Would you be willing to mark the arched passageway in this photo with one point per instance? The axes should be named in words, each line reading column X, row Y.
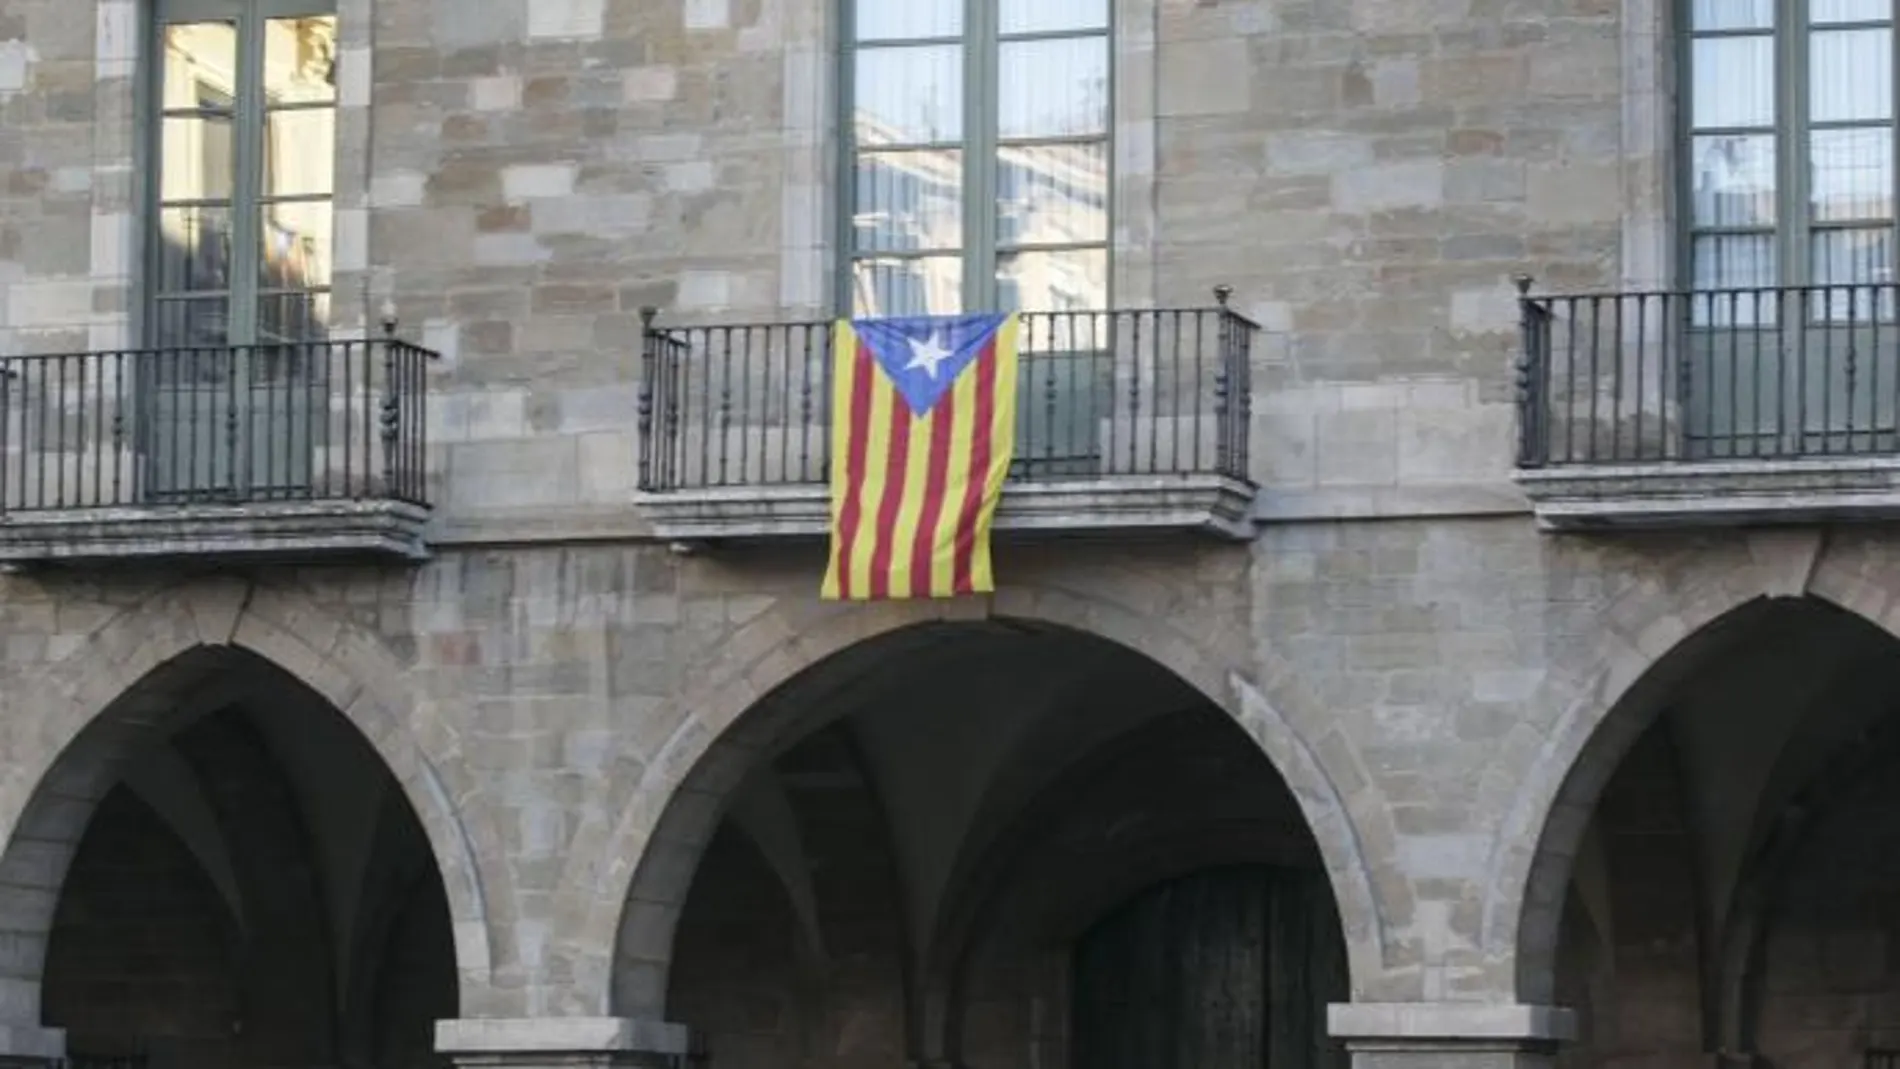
column 1734, row 894
column 219, row 871
column 988, row 845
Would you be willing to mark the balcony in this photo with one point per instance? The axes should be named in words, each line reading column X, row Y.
column 301, row 452
column 1734, row 406
column 1132, row 420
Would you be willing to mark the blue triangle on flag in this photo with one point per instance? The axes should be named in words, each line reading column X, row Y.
column 923, row 355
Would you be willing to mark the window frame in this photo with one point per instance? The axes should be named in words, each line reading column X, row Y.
column 244, row 294
column 982, row 41
column 1792, row 231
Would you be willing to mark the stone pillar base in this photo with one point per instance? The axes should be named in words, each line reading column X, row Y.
column 1436, row 1035
column 31, row 1045
column 563, row 1043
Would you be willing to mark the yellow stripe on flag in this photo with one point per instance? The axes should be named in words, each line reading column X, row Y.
column 943, row 562
column 877, row 477
column 1002, row 443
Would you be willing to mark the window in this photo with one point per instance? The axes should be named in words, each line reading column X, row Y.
column 978, row 153
column 1790, row 155
column 244, row 96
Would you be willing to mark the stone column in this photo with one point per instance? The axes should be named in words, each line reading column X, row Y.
column 562, row 1043
column 31, row 1046
column 1444, row 1035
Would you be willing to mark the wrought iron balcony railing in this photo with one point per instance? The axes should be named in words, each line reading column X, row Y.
column 1101, row 395
column 1662, row 408
column 139, row 435
column 1769, row 373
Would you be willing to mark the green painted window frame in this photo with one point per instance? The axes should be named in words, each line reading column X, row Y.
column 981, row 40
column 243, row 309
column 1794, row 225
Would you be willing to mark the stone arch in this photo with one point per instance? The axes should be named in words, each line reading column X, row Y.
column 1609, row 693
column 95, row 705
column 630, row 878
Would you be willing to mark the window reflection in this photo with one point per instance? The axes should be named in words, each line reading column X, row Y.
column 891, row 286
column 886, row 20
column 1044, row 133
column 1053, row 87
column 1051, row 16
column 1833, row 226
column 909, row 96
column 1072, row 280
column 1052, row 194
column 262, row 248
column 196, row 174
column 909, row 201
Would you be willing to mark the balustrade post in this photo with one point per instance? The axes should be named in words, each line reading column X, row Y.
column 391, row 416
column 649, row 367
column 1531, row 375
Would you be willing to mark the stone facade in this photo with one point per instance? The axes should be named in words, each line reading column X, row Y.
column 571, row 710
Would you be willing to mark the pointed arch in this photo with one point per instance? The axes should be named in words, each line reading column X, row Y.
column 632, row 869
column 115, row 689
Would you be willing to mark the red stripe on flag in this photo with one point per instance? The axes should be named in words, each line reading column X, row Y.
column 981, row 433
column 849, row 518
column 923, row 551
column 895, row 466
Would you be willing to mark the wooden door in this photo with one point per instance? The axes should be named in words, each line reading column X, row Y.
column 1225, row 969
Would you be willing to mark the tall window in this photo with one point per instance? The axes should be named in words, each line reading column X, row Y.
column 979, row 149
column 244, row 153
column 1791, row 142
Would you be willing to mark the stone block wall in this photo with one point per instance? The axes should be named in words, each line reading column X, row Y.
column 523, row 180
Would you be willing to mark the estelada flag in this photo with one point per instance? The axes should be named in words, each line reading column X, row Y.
column 922, row 433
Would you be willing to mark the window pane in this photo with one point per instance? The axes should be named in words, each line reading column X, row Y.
column 1053, row 88
column 1043, row 16
column 1072, row 280
column 928, row 285
column 909, row 95
column 1733, row 180
column 1734, row 260
column 299, row 152
column 1845, row 10
column 1852, row 174
column 909, row 201
column 194, row 249
column 892, row 19
column 1052, row 194
column 1733, row 14
column 1851, row 75
column 196, row 159
column 299, row 61
column 1730, row 262
column 200, row 65
column 1861, row 254
column 296, row 246
column 177, row 324
column 293, row 317
column 1734, row 81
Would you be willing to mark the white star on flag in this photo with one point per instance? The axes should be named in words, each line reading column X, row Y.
column 927, row 354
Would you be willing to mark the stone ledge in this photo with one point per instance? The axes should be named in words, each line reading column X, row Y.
column 21, row 1043
column 1400, row 501
column 559, row 1035
column 269, row 530
column 1208, row 504
column 1411, row 1023
column 1709, row 493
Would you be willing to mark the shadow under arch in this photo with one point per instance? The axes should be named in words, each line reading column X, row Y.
column 121, row 690
column 1538, row 916
column 727, row 729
